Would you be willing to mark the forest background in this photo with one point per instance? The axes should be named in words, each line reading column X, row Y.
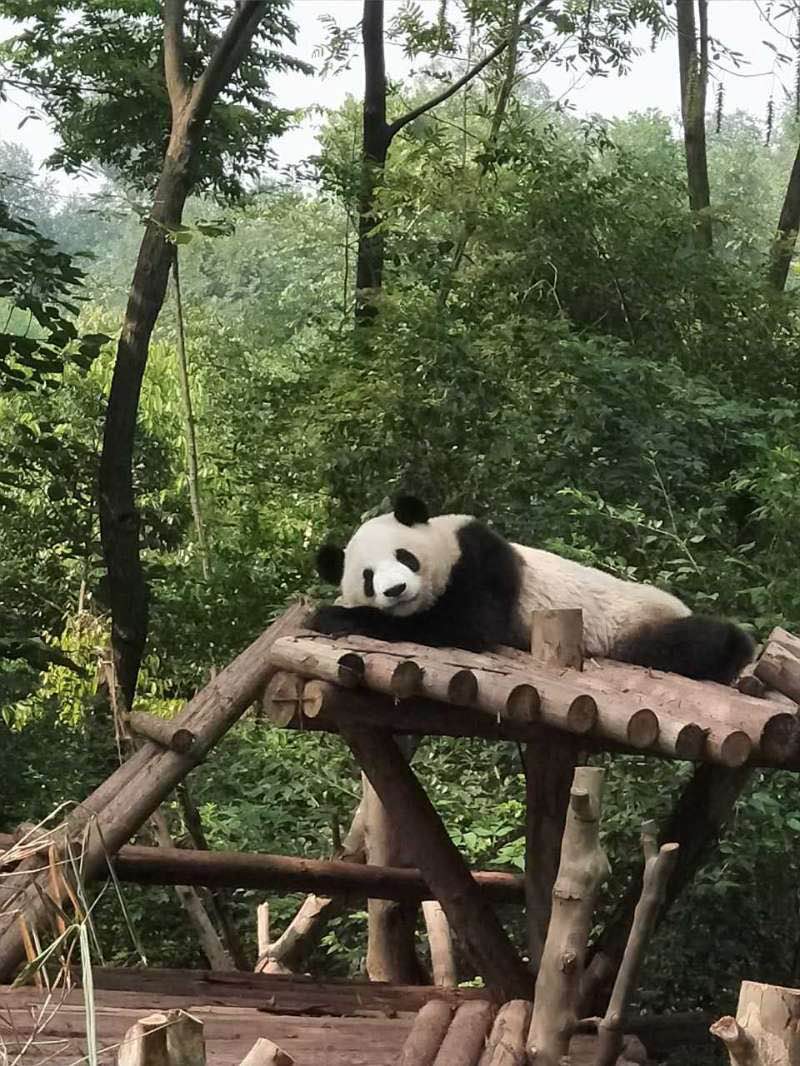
column 554, row 349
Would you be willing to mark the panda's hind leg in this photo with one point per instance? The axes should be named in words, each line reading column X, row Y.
column 697, row 646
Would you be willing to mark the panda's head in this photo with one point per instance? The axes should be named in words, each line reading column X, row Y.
column 399, row 563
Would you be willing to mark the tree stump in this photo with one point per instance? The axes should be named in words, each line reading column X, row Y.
column 766, row 1029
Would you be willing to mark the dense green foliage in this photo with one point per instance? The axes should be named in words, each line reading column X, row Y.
column 582, row 376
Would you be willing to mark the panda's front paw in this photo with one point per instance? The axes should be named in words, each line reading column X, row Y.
column 333, row 621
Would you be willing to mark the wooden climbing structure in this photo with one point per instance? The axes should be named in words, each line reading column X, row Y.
column 556, row 1001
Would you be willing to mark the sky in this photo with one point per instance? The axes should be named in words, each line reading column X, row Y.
column 651, row 83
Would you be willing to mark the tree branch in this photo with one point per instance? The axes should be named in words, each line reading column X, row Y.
column 466, row 78
column 174, row 65
column 226, row 57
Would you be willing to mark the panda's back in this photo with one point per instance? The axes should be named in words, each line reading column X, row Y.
column 612, row 607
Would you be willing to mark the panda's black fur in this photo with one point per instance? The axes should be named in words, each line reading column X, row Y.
column 479, row 609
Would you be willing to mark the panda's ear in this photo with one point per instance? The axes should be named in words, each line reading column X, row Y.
column 410, row 511
column 330, row 563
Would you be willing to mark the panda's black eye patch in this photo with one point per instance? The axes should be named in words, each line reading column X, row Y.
column 369, row 584
column 407, row 559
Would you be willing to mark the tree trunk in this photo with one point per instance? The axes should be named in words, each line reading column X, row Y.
column 119, row 518
column 786, row 238
column 694, row 81
column 376, row 137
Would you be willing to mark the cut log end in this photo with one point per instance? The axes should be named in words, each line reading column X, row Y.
column 582, row 714
column 780, row 737
column 690, row 742
column 282, row 698
column 351, row 670
column 407, row 679
column 735, row 749
column 523, row 704
column 643, row 728
column 462, row 688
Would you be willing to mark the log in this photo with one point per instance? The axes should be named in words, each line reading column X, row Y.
column 265, row 1053
column 471, row 918
column 658, row 866
column 466, row 1037
column 785, row 639
column 427, row 1033
column 779, row 667
column 443, row 962
column 143, row 865
column 719, row 708
column 122, row 804
column 506, row 1044
column 161, row 731
column 749, row 684
column 582, row 870
column 145, row 1043
column 766, row 1029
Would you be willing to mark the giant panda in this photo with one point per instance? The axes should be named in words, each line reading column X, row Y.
column 451, row 581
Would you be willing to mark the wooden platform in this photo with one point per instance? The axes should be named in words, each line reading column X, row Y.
column 57, row 1030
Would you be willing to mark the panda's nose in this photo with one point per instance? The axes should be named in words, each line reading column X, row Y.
column 395, row 590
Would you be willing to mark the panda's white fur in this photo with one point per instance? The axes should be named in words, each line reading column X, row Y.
column 373, row 546
column 612, row 608
column 452, row 581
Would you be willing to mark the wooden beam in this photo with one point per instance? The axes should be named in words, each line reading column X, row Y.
column 274, row 993
column 471, row 918
column 236, row 869
column 116, row 811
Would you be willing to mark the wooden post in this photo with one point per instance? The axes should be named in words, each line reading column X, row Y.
column 582, row 870
column 443, row 961
column 766, row 1029
column 391, row 949
column 556, row 640
column 557, row 637
column 471, row 918
column 658, row 866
